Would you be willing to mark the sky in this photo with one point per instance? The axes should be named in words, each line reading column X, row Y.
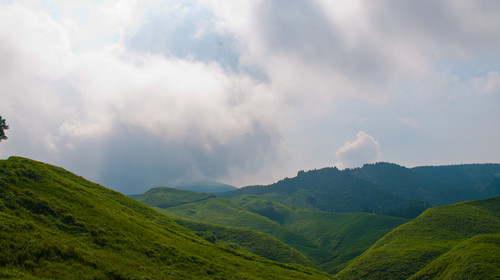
column 137, row 94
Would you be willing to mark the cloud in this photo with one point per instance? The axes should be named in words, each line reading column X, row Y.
column 129, row 119
column 486, row 85
column 364, row 149
column 138, row 93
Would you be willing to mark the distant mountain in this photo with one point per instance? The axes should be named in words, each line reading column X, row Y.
column 56, row 225
column 458, row 241
column 164, row 197
column 204, row 186
column 438, row 185
column 332, row 190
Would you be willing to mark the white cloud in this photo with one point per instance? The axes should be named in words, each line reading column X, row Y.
column 215, row 87
column 487, row 85
column 87, row 98
column 364, row 149
column 409, row 122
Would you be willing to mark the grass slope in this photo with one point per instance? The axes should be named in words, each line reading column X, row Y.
column 56, row 225
column 247, row 240
column 164, row 197
column 446, row 241
column 222, row 211
column 345, row 235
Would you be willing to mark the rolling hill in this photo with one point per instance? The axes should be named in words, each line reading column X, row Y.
column 330, row 240
column 344, row 235
column 458, row 241
column 247, row 240
column 224, row 212
column 56, row 225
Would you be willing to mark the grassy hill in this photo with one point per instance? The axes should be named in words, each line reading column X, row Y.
column 247, row 240
column 344, row 235
column 330, row 240
column 164, row 197
column 56, row 225
column 459, row 241
column 222, row 211
column 332, row 190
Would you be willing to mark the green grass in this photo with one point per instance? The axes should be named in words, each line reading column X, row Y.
column 164, row 197
column 433, row 243
column 344, row 235
column 222, row 211
column 330, row 240
column 474, row 258
column 56, row 225
column 247, row 240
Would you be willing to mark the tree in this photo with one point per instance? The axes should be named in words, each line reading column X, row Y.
column 3, row 127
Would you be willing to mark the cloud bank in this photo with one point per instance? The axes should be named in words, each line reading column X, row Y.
column 135, row 94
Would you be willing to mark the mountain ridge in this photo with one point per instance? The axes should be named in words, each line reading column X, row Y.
column 331, row 190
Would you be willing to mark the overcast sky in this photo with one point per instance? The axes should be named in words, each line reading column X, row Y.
column 136, row 94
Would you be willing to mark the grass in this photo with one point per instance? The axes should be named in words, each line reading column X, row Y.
column 247, row 240
column 329, row 240
column 474, row 258
column 344, row 235
column 56, row 225
column 434, row 243
column 222, row 211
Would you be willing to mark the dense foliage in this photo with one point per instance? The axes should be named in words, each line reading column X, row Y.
column 332, row 190
column 3, row 127
column 436, row 184
column 56, row 225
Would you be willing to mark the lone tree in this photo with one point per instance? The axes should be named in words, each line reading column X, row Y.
column 3, row 127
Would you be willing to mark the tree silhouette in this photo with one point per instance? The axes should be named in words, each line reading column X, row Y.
column 3, row 127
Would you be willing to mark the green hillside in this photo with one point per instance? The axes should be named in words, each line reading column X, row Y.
column 247, row 240
column 330, row 240
column 459, row 241
column 164, row 197
column 56, row 225
column 222, row 211
column 344, row 235
column 332, row 190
